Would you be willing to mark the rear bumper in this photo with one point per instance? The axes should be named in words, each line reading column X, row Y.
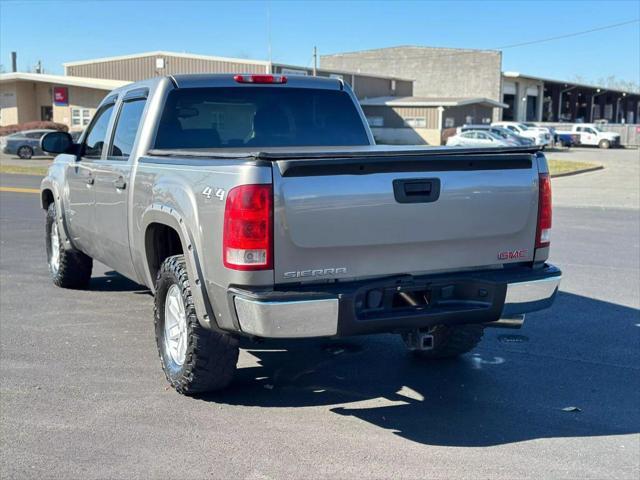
column 377, row 306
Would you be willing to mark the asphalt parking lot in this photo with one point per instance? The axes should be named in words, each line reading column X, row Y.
column 82, row 394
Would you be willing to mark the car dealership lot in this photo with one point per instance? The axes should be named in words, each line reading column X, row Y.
column 83, row 395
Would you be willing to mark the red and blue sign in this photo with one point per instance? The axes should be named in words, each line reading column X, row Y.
column 61, row 96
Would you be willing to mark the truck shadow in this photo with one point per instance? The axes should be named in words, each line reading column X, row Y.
column 112, row 281
column 582, row 353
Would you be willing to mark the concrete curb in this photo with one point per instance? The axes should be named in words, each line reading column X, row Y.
column 578, row 172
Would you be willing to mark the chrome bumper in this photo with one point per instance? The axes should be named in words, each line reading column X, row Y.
column 323, row 317
column 295, row 319
column 523, row 297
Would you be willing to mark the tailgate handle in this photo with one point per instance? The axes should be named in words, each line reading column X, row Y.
column 416, row 190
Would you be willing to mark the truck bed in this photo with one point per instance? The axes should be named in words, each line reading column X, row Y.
column 356, row 212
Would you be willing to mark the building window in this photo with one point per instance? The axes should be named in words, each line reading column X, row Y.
column 375, row 121
column 415, row 122
column 80, row 117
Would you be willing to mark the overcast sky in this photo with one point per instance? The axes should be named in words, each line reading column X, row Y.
column 59, row 31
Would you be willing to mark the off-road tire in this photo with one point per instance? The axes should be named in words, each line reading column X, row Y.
column 210, row 358
column 604, row 144
column 74, row 270
column 452, row 341
column 25, row 152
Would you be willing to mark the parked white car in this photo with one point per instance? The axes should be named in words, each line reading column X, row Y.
column 539, row 135
column 478, row 138
column 593, row 134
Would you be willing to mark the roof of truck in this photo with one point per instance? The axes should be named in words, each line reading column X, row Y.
column 196, row 80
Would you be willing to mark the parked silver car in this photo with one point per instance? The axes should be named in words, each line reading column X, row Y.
column 24, row 144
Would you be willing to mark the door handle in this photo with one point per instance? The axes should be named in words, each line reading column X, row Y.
column 416, row 190
column 120, row 183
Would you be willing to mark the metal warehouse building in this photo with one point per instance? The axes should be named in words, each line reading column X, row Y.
column 71, row 99
column 410, row 94
column 152, row 64
column 538, row 99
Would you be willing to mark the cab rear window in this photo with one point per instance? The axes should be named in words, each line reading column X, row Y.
column 228, row 117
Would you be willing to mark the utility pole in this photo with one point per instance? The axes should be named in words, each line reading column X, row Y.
column 269, row 36
column 315, row 61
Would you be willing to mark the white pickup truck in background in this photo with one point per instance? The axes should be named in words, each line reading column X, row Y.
column 592, row 134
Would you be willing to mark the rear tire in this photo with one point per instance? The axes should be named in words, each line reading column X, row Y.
column 604, row 144
column 194, row 359
column 451, row 341
column 67, row 268
column 25, row 152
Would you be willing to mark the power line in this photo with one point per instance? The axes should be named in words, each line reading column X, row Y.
column 569, row 35
column 515, row 45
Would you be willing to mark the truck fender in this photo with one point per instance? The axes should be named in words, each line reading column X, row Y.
column 164, row 215
column 49, row 184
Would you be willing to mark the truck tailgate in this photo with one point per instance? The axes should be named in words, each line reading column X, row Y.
column 416, row 213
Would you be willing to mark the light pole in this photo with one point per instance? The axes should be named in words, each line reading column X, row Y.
column 597, row 94
column 560, row 100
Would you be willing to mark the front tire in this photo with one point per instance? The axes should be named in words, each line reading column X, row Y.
column 67, row 268
column 25, row 152
column 451, row 341
column 604, row 144
column 194, row 359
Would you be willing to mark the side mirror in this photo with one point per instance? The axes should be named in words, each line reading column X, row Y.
column 57, row 142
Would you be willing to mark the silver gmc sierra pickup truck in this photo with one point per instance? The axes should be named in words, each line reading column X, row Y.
column 260, row 206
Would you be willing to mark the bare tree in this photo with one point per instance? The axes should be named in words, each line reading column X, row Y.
column 608, row 82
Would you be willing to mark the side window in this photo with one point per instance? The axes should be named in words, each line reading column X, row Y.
column 96, row 137
column 126, row 129
column 591, row 130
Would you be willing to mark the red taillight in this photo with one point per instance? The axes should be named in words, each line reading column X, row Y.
column 543, row 235
column 260, row 78
column 248, row 228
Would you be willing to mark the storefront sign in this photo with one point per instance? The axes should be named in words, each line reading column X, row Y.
column 61, row 96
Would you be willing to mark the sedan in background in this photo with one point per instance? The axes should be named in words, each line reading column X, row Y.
column 479, row 138
column 502, row 132
column 24, row 144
